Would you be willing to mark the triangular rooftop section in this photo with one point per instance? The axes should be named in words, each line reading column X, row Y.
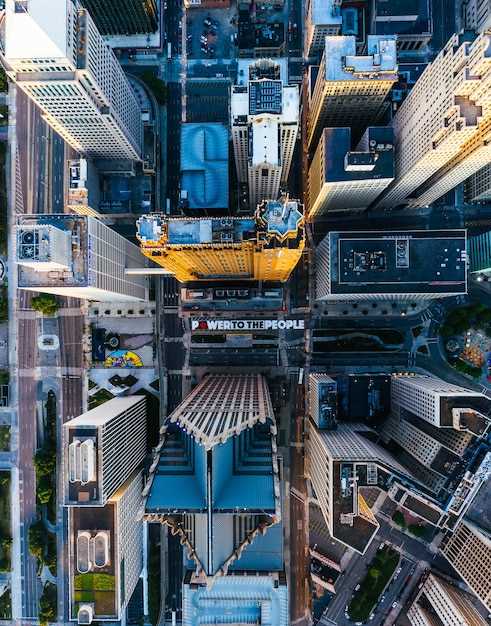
column 222, row 406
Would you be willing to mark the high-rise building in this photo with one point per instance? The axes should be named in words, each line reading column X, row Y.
column 477, row 187
column 102, row 448
column 323, row 17
column 342, row 179
column 442, row 404
column 323, row 400
column 265, row 246
column 391, row 265
column 340, row 464
column 441, row 129
column 264, row 120
column 105, row 554
column 350, row 89
column 439, row 602
column 77, row 256
column 476, row 14
column 468, row 546
column 410, row 20
column 480, row 253
column 215, row 483
column 55, row 54
column 123, row 17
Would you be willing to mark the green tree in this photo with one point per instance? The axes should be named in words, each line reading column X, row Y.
column 45, row 462
column 398, row 518
column 374, row 573
column 44, row 490
column 47, row 604
column 45, row 303
column 418, row 530
column 36, row 537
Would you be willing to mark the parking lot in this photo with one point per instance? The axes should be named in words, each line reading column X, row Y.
column 211, row 33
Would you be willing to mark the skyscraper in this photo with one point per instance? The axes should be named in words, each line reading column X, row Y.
column 123, row 17
column 78, row 256
column 264, row 120
column 441, row 129
column 443, row 404
column 265, row 246
column 323, row 400
column 480, row 253
column 214, row 482
column 445, row 602
column 478, row 186
column 350, row 89
column 340, row 464
column 323, row 17
column 56, row 55
column 468, row 546
column 341, row 179
column 105, row 555
column 391, row 264
column 476, row 14
column 102, row 448
column 103, row 451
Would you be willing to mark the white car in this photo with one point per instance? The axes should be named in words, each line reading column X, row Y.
column 371, row 617
column 357, row 587
column 395, row 605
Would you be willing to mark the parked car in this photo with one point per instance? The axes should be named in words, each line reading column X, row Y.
column 395, row 605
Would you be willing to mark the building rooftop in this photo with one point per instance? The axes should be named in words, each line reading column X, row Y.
column 325, row 12
column 274, row 220
column 87, row 526
column 204, row 165
column 479, row 511
column 342, row 62
column 33, row 33
column 256, row 69
column 402, row 17
column 265, row 96
column 236, row 600
column 222, row 406
column 104, row 412
column 371, row 162
column 39, row 229
column 397, row 262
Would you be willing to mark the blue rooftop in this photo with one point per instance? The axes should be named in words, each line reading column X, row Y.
column 242, row 475
column 236, row 600
column 204, row 165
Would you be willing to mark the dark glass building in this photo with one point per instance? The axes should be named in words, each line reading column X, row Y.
column 123, row 17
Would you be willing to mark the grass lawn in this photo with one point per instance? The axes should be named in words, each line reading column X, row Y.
column 379, row 573
column 5, row 531
column 94, row 582
column 99, row 397
column 4, row 438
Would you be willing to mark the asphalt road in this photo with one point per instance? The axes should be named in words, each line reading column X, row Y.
column 299, row 557
column 174, row 95
column 42, row 166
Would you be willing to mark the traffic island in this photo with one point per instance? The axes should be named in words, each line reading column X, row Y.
column 379, row 573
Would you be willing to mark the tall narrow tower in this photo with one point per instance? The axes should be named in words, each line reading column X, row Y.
column 264, row 122
column 56, row 55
